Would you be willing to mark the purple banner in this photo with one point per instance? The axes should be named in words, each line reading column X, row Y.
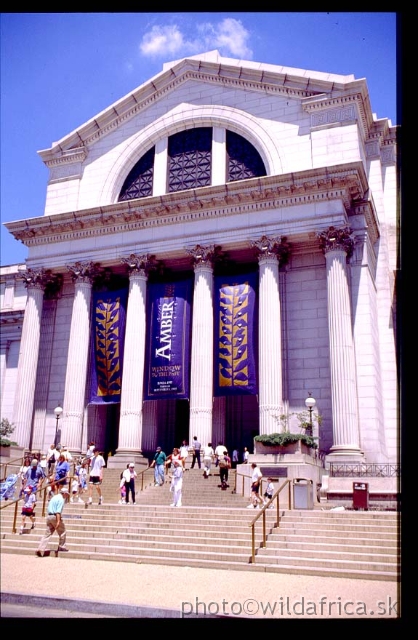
column 168, row 341
column 108, row 334
column 235, row 335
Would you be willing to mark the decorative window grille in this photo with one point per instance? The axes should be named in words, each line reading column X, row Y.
column 189, row 159
column 243, row 160
column 138, row 184
column 189, row 163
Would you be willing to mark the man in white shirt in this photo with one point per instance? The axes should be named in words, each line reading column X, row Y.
column 96, row 475
column 255, row 487
column 219, row 452
column 208, row 454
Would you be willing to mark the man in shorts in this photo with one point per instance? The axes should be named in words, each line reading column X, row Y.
column 255, row 487
column 96, row 475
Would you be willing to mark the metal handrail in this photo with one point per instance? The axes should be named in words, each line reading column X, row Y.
column 43, row 488
column 16, row 462
column 276, row 497
column 362, row 469
column 142, row 474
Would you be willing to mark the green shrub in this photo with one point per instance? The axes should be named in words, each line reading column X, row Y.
column 285, row 438
column 6, row 429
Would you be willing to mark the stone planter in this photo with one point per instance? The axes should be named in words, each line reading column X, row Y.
column 11, row 452
column 297, row 447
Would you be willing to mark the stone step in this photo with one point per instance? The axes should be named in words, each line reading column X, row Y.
column 281, row 539
column 263, row 557
column 306, row 543
column 318, row 553
column 239, row 553
column 305, row 568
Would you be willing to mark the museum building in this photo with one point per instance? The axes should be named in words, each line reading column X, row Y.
column 216, row 246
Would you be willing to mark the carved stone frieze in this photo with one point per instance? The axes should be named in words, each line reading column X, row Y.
column 333, row 238
column 331, row 116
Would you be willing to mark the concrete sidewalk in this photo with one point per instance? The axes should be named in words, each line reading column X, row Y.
column 130, row 590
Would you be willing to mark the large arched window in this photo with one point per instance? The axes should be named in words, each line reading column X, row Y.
column 189, row 159
column 243, row 160
column 138, row 183
column 189, row 163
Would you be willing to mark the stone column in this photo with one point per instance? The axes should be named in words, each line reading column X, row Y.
column 337, row 244
column 130, row 424
column 201, row 374
column 82, row 275
column 270, row 391
column 35, row 282
column 4, row 350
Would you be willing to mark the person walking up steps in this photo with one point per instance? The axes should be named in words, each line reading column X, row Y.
column 208, row 454
column 256, row 500
column 96, row 475
column 196, row 453
column 224, row 466
column 54, row 522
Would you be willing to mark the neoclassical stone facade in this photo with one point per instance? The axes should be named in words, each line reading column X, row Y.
column 214, row 170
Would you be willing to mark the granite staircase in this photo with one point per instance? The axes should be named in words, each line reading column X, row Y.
column 212, row 530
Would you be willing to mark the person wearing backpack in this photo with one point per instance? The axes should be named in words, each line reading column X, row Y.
column 224, row 465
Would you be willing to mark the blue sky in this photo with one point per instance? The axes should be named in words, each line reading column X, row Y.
column 58, row 70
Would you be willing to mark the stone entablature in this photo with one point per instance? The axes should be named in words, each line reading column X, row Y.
column 344, row 182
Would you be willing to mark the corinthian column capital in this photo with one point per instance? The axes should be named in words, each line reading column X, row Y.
column 141, row 265
column 333, row 238
column 36, row 278
column 83, row 271
column 204, row 255
column 272, row 247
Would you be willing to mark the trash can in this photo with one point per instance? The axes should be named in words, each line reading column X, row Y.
column 360, row 496
column 302, row 493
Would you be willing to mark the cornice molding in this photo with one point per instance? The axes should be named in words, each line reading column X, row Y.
column 71, row 156
column 11, row 317
column 272, row 80
column 347, row 182
column 97, row 128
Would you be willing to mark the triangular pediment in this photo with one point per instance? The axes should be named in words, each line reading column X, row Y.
column 210, row 67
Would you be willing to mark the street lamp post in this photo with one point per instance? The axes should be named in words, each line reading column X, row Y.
column 310, row 402
column 58, row 411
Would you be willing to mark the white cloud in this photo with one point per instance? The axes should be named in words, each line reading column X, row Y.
column 229, row 36
column 162, row 40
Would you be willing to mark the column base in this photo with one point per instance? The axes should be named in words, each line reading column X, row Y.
column 344, row 455
column 122, row 458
